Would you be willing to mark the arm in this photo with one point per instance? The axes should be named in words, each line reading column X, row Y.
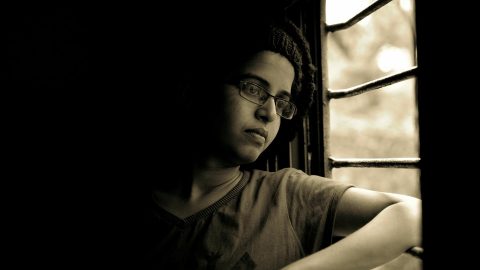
column 384, row 226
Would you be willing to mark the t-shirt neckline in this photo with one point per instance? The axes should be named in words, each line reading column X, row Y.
column 181, row 222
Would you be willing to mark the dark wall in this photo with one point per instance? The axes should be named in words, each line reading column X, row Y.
column 448, row 143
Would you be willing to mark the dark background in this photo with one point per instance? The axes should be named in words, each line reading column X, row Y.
column 90, row 103
column 447, row 114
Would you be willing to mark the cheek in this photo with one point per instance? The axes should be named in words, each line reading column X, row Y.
column 273, row 131
column 233, row 115
column 238, row 109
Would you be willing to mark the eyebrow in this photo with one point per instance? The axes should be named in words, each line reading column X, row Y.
column 264, row 82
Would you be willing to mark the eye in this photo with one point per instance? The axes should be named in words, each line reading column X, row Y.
column 283, row 105
column 252, row 89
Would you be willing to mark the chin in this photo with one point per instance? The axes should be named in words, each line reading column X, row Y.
column 249, row 157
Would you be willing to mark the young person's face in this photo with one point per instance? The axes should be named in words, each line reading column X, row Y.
column 246, row 129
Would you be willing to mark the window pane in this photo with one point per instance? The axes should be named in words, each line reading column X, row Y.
column 382, row 123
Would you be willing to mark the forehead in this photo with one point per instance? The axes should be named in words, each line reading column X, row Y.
column 273, row 68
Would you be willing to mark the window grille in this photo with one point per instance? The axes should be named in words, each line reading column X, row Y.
column 310, row 151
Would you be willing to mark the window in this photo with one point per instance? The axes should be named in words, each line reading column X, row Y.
column 368, row 138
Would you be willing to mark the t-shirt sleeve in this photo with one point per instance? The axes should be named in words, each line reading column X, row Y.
column 311, row 202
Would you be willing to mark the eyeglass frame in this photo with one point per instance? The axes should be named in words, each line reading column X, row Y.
column 294, row 107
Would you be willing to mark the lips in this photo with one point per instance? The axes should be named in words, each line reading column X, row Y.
column 259, row 133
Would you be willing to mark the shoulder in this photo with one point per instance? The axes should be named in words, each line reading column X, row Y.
column 283, row 175
column 291, row 178
column 280, row 174
column 287, row 174
column 297, row 189
column 272, row 181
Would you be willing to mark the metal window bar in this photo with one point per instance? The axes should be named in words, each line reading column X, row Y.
column 355, row 19
column 411, row 163
column 372, row 85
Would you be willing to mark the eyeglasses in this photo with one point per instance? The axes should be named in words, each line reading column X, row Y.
column 259, row 95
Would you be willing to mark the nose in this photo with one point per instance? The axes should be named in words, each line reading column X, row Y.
column 268, row 111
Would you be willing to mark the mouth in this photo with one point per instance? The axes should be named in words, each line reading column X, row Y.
column 258, row 134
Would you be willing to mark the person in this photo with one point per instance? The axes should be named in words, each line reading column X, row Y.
column 243, row 92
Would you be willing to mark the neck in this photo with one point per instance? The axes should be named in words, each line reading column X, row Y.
column 210, row 178
column 209, row 170
column 208, row 186
column 208, row 174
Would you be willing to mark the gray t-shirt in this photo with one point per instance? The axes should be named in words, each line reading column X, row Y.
column 268, row 220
